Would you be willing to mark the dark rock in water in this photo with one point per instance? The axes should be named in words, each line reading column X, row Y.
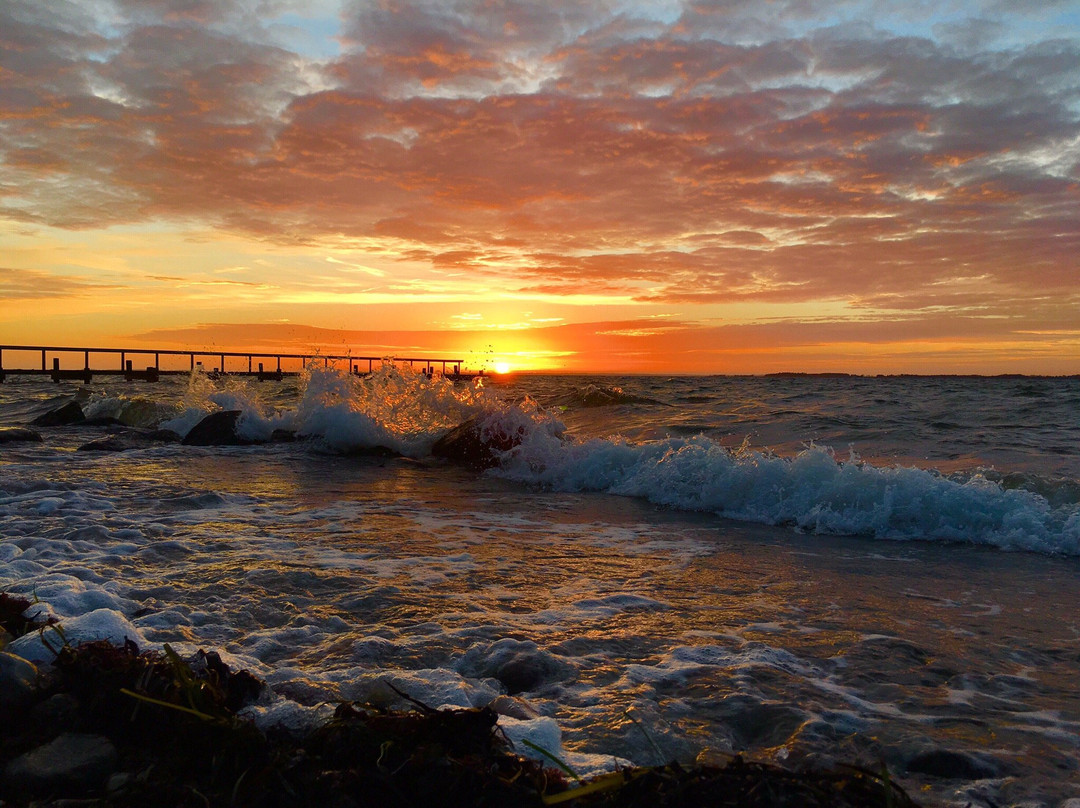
column 216, row 429
column 283, row 436
column 163, row 436
column 520, row 666
column 70, row 413
column 949, row 764
column 71, row 762
column 18, row 682
column 475, row 446
column 130, row 439
column 754, row 722
column 102, row 420
column 520, row 674
column 16, row 434
column 113, row 443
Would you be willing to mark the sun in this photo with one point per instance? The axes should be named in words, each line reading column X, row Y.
column 502, row 367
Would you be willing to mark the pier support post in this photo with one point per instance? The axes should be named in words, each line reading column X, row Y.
column 56, row 369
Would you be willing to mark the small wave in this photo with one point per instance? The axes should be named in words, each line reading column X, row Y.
column 813, row 491
column 593, row 395
column 136, row 412
column 1056, row 490
column 393, row 408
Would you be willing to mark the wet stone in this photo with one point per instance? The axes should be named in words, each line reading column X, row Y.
column 127, row 440
column 518, row 666
column 756, row 723
column 102, row 420
column 950, row 764
column 118, row 782
column 71, row 762
column 163, row 436
column 18, row 681
column 216, row 429
column 70, row 413
column 55, row 713
column 13, row 434
column 471, row 445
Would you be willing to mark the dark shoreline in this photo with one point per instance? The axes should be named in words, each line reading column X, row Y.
column 108, row 725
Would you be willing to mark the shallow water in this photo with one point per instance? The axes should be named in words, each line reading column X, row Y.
column 644, row 629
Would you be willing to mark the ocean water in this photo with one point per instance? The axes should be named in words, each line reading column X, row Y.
column 875, row 570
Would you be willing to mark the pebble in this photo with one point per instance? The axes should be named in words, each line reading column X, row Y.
column 73, row 761
column 56, row 713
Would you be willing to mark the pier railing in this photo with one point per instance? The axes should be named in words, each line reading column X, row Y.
column 217, row 363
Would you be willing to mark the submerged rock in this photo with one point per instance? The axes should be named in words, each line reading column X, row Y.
column 755, row 722
column 70, row 413
column 15, row 434
column 474, row 445
column 102, row 420
column 216, row 429
column 950, row 764
column 130, row 439
column 70, row 763
column 519, row 666
column 163, row 436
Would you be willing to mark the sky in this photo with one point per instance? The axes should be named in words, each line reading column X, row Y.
column 697, row 186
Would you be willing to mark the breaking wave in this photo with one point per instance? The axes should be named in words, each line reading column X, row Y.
column 814, row 491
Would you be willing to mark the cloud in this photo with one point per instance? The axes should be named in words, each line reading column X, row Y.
column 695, row 152
column 29, row 284
column 870, row 345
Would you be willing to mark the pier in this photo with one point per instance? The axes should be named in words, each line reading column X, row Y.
column 61, row 363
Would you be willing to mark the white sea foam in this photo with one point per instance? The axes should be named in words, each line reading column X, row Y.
column 628, row 630
column 541, row 739
column 99, row 624
column 812, row 491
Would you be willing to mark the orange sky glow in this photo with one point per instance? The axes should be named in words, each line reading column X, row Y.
column 686, row 186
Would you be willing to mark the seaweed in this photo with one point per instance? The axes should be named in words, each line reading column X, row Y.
column 13, row 619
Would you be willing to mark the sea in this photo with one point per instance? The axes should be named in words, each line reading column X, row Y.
column 810, row 570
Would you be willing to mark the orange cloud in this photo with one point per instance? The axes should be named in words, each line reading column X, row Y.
column 704, row 155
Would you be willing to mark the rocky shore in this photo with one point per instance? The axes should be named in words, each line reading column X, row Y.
column 109, row 725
